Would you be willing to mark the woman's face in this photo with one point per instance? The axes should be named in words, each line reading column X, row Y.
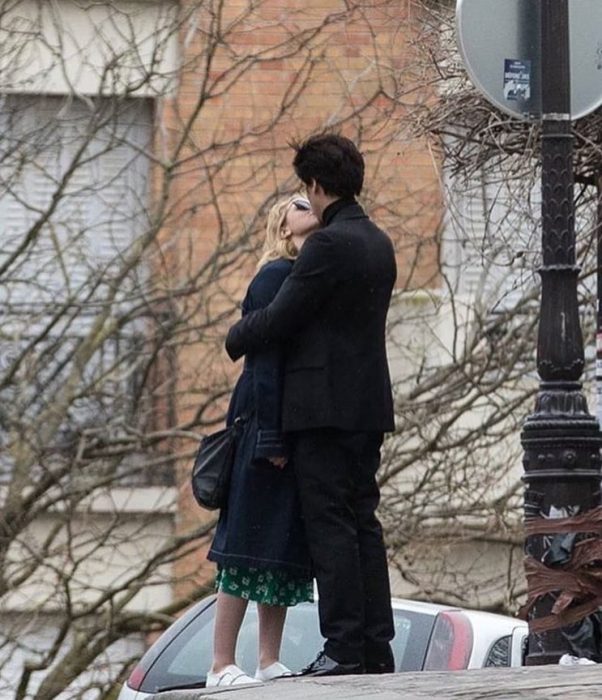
column 300, row 219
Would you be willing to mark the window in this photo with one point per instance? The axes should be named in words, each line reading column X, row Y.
column 73, row 195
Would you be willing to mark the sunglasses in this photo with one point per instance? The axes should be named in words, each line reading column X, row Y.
column 301, row 205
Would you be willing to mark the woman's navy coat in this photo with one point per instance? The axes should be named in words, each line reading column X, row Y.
column 261, row 525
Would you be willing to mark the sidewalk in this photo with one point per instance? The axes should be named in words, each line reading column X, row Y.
column 534, row 683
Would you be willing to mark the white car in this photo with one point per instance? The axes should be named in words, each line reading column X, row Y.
column 428, row 637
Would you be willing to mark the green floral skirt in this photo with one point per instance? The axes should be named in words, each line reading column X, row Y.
column 267, row 586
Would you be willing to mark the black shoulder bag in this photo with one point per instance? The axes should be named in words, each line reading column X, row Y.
column 213, row 466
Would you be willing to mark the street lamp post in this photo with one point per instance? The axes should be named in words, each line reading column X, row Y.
column 561, row 440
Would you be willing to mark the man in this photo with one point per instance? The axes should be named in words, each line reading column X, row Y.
column 330, row 313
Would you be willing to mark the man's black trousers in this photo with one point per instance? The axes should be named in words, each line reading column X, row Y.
column 336, row 476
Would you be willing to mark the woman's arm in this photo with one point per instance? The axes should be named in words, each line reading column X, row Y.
column 268, row 367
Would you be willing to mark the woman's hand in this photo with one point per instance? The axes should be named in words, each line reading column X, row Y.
column 278, row 462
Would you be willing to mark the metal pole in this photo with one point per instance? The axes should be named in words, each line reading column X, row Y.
column 561, row 439
column 599, row 300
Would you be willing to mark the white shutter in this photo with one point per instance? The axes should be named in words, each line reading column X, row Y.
column 490, row 223
column 466, row 228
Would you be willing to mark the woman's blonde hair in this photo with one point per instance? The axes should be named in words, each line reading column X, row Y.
column 275, row 246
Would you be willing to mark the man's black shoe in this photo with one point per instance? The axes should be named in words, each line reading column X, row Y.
column 323, row 665
column 380, row 667
column 381, row 663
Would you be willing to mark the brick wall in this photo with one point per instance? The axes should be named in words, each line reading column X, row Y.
column 253, row 77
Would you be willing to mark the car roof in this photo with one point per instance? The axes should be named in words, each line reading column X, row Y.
column 433, row 609
column 420, row 606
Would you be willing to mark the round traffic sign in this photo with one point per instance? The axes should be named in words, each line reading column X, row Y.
column 500, row 43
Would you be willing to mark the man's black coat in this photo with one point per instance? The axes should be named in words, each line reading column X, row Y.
column 330, row 313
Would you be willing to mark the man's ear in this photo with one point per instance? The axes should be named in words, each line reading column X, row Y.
column 314, row 187
column 317, row 188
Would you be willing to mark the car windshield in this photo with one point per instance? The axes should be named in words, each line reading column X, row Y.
column 186, row 658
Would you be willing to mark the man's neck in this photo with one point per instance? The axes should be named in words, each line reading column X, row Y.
column 334, row 207
column 325, row 204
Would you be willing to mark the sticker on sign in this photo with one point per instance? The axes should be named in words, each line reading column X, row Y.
column 517, row 79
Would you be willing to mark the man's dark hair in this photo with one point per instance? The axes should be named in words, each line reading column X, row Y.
column 333, row 162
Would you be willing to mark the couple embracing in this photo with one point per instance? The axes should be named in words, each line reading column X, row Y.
column 316, row 396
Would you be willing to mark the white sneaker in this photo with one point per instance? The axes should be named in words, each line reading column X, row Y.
column 275, row 670
column 229, row 675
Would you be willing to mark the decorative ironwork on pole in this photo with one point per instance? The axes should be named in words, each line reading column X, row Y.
column 599, row 299
column 561, row 440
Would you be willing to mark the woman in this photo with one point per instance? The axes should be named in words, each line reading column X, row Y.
column 259, row 542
